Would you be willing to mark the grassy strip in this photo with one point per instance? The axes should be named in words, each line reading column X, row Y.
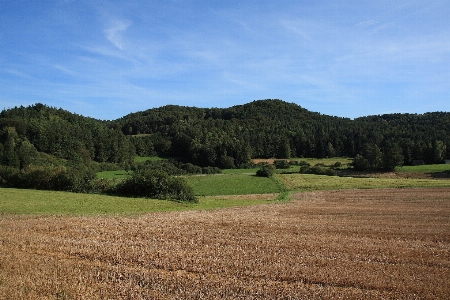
column 284, row 194
column 240, row 171
column 232, row 184
column 425, row 168
column 17, row 201
column 308, row 182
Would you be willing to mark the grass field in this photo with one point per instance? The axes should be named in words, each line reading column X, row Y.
column 363, row 244
column 232, row 184
column 425, row 168
column 308, row 182
column 33, row 202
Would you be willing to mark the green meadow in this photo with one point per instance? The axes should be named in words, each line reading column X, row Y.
column 232, row 184
column 425, row 168
column 34, row 202
column 234, row 187
column 308, row 182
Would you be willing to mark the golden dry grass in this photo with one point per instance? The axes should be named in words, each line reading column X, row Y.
column 363, row 244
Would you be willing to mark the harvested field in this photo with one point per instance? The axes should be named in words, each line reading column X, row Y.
column 354, row 244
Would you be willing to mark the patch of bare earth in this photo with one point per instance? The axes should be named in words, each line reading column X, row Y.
column 361, row 244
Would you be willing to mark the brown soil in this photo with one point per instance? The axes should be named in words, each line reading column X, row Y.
column 360, row 244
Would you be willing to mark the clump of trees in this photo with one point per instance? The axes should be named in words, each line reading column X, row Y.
column 266, row 170
column 57, row 178
column 375, row 159
column 174, row 167
column 281, row 164
column 155, row 184
column 318, row 170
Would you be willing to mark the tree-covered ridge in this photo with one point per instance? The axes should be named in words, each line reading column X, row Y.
column 274, row 128
column 222, row 137
column 61, row 134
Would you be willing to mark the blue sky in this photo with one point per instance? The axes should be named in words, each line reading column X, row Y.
column 105, row 59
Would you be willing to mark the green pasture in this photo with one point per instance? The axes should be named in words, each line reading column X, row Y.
column 214, row 191
column 309, row 182
column 34, row 202
column 232, row 184
column 425, row 168
column 240, row 171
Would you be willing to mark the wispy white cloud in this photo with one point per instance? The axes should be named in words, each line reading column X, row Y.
column 114, row 32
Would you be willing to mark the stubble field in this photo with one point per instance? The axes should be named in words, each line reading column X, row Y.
column 353, row 244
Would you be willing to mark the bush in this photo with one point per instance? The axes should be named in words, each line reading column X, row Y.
column 75, row 178
column 304, row 163
column 211, row 170
column 360, row 163
column 281, row 164
column 156, row 184
column 191, row 169
column 227, row 162
column 318, row 170
column 266, row 170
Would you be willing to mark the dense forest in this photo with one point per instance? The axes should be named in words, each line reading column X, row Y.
column 225, row 138
column 276, row 129
column 40, row 138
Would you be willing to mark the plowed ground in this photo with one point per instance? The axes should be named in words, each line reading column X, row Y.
column 363, row 244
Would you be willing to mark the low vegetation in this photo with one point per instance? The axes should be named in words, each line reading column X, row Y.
column 35, row 202
column 266, row 170
column 155, row 184
column 232, row 184
column 308, row 182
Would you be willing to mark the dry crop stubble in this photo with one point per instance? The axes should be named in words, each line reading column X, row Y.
column 368, row 244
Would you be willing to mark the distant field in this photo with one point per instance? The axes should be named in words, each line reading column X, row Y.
column 425, row 168
column 308, row 182
column 232, row 184
column 371, row 244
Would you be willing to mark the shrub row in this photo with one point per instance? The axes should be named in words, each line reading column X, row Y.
column 318, row 170
column 147, row 183
column 47, row 178
column 155, row 184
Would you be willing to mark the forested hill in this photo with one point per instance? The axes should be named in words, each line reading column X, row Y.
column 224, row 137
column 274, row 128
column 27, row 132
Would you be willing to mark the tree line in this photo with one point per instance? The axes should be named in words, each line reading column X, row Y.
column 39, row 136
